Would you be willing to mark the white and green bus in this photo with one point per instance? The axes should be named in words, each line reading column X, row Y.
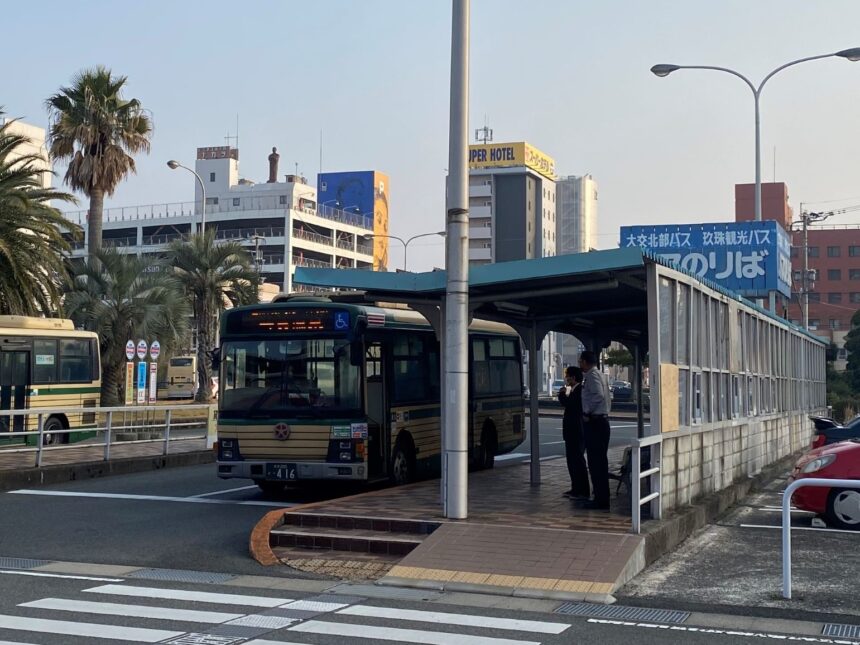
column 45, row 363
column 317, row 389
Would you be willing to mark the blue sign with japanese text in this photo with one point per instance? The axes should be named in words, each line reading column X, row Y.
column 750, row 258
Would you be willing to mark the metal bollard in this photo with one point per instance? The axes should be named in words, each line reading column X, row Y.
column 166, row 431
column 40, row 424
column 108, row 428
column 786, row 520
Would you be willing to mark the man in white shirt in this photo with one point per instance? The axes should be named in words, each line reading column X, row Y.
column 595, row 418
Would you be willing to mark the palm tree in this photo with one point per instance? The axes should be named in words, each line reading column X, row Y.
column 97, row 131
column 122, row 297
column 32, row 246
column 214, row 276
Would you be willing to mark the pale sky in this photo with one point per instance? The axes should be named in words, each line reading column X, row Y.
column 571, row 77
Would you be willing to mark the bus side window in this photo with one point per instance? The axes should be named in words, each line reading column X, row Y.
column 76, row 363
column 45, row 360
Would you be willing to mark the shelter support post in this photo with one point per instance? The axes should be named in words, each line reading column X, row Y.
column 534, row 408
column 640, row 414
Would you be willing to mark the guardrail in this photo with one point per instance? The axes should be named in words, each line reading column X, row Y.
column 136, row 421
column 637, row 475
column 786, row 520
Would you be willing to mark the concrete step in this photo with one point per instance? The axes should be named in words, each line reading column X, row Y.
column 345, row 540
column 363, row 523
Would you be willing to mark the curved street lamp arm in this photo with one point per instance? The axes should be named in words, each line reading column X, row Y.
column 794, row 62
column 724, row 69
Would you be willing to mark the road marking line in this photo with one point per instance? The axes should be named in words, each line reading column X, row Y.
column 148, row 498
column 402, row 635
column 195, row 596
column 465, row 620
column 93, row 630
column 223, row 492
column 798, row 528
column 552, row 443
column 139, row 611
column 39, row 574
column 779, row 510
column 725, row 632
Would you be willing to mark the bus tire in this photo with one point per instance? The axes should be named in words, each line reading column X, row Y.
column 489, row 445
column 270, row 488
column 50, row 434
column 403, row 461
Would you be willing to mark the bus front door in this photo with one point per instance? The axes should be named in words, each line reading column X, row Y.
column 377, row 404
column 14, row 386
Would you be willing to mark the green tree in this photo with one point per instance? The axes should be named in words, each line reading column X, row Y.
column 214, row 276
column 852, row 344
column 620, row 357
column 122, row 297
column 32, row 246
column 97, row 131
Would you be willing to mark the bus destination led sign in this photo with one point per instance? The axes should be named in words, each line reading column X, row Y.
column 287, row 320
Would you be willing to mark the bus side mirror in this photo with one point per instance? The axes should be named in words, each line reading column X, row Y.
column 356, row 353
column 216, row 359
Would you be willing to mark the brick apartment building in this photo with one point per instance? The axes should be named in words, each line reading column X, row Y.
column 834, row 252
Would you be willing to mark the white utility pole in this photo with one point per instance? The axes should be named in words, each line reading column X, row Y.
column 456, row 385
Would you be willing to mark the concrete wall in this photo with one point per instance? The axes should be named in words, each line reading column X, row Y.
column 708, row 460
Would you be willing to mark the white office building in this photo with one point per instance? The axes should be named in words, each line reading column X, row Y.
column 280, row 222
column 36, row 146
column 512, row 216
column 576, row 210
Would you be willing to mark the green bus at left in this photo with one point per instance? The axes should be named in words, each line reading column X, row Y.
column 46, row 364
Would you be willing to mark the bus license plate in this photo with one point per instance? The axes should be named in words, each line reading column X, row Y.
column 282, row 472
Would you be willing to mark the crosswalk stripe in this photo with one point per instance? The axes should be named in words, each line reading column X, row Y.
column 466, row 620
column 195, row 596
column 400, row 635
column 139, row 611
column 92, row 630
column 14, row 643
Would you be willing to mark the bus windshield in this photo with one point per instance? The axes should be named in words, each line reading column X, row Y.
column 297, row 377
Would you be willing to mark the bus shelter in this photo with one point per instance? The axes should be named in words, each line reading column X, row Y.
column 730, row 383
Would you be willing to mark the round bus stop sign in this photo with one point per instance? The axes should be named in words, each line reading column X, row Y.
column 141, row 349
column 155, row 350
column 129, row 350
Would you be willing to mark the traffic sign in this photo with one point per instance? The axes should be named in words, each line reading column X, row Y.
column 129, row 350
column 141, row 349
column 155, row 350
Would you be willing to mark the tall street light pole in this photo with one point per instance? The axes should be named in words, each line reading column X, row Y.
column 455, row 409
column 173, row 165
column 405, row 243
column 664, row 70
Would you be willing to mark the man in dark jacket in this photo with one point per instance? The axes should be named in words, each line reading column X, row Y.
column 570, row 398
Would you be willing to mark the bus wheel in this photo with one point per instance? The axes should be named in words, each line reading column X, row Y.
column 403, row 463
column 487, row 458
column 270, row 488
column 50, row 432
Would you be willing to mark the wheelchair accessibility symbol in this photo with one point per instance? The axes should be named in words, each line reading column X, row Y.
column 341, row 320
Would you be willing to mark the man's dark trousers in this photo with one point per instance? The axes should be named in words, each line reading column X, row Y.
column 574, row 448
column 596, row 447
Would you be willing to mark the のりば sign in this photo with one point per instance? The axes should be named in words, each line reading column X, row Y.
column 750, row 258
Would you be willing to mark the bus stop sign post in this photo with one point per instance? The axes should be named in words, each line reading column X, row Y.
column 455, row 422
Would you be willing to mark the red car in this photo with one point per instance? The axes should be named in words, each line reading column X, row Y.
column 839, row 506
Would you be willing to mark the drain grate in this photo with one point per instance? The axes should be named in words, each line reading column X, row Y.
column 180, row 575
column 842, row 631
column 21, row 563
column 204, row 639
column 623, row 613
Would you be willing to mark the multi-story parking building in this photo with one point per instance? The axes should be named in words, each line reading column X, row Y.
column 280, row 222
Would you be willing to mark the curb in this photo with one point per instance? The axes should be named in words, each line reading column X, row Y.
column 47, row 475
column 664, row 536
column 258, row 545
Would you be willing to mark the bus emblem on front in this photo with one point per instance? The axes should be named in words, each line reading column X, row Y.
column 282, row 432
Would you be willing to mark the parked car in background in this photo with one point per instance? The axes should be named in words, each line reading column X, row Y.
column 618, row 384
column 557, row 384
column 840, row 507
column 826, row 434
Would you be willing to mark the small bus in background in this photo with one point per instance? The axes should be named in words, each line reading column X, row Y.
column 46, row 364
column 317, row 388
column 181, row 377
